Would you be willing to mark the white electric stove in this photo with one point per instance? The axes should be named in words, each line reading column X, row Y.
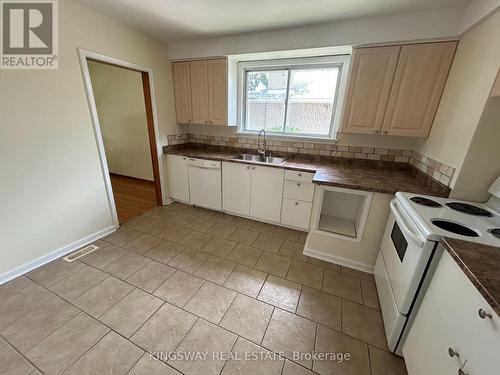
column 410, row 249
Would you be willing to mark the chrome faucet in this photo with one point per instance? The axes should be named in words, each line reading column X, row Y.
column 261, row 150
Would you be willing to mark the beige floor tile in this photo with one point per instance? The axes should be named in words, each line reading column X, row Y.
column 102, row 297
column 189, row 260
column 101, row 244
column 78, row 283
column 2, row 342
column 147, row 225
column 54, row 272
column 303, row 237
column 267, row 242
column 174, row 233
column 204, row 212
column 219, row 246
column 102, row 257
column 165, row 251
column 320, row 307
column 331, row 341
column 131, row 312
column 14, row 287
column 292, row 249
column 360, row 274
column 216, row 270
column 143, row 243
column 305, row 273
column 258, row 226
column 287, row 234
column 243, row 236
column 246, row 280
column 182, row 219
column 370, row 296
column 289, row 333
column 243, row 223
column 322, row 263
column 281, row 293
column 150, row 366
column 179, row 288
column 151, row 276
column 164, row 330
column 30, row 329
column 127, row 265
column 275, row 264
column 112, row 355
column 363, row 323
column 200, row 224
column 385, row 363
column 211, row 302
column 204, row 337
column 196, row 240
column 241, row 363
column 342, row 285
column 222, row 230
column 13, row 363
column 247, row 317
column 123, row 236
column 58, row 351
column 246, row 255
column 291, row 368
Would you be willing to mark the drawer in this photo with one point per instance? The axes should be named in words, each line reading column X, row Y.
column 299, row 176
column 296, row 213
column 303, row 191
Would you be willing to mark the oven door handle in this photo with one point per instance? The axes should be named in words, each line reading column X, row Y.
column 417, row 239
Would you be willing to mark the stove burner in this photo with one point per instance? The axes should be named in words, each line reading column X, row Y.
column 495, row 232
column 468, row 209
column 425, row 202
column 454, row 228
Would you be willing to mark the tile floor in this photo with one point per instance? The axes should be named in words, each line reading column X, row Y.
column 180, row 279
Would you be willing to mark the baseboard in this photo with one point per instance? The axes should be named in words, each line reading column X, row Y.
column 21, row 270
column 338, row 260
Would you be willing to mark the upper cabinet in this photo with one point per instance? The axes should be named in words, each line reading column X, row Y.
column 395, row 90
column 206, row 90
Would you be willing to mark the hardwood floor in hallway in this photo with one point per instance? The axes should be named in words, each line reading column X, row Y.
column 133, row 196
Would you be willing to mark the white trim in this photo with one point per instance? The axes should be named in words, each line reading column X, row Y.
column 31, row 265
column 83, row 56
column 342, row 61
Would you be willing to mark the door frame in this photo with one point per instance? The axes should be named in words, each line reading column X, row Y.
column 152, row 120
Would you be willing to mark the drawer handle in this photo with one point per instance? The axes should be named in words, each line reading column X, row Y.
column 452, row 353
column 483, row 314
column 300, row 174
column 253, row 167
column 296, row 203
column 298, row 183
column 248, row 167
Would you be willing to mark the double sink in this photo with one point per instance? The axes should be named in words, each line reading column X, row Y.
column 260, row 159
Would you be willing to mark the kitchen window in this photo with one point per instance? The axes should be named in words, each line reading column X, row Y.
column 293, row 98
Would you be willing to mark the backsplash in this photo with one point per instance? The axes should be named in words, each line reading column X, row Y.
column 438, row 171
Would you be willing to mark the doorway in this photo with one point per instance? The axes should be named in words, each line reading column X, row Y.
column 122, row 107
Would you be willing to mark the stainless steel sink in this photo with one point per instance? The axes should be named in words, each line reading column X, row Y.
column 260, row 159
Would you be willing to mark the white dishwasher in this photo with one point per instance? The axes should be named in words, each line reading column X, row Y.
column 205, row 183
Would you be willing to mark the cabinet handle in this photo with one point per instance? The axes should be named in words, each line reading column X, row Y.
column 298, row 183
column 253, row 167
column 210, row 122
column 184, row 158
column 296, row 203
column 385, row 131
column 376, row 131
column 189, row 121
column 300, row 174
column 452, row 353
column 483, row 314
column 206, row 122
column 248, row 167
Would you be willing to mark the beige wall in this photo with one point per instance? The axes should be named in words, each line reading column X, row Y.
column 120, row 105
column 482, row 162
column 469, row 83
column 51, row 186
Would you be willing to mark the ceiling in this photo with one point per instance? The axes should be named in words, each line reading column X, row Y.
column 176, row 20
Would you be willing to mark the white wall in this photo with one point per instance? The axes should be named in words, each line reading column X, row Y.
column 468, row 86
column 120, row 105
column 52, row 190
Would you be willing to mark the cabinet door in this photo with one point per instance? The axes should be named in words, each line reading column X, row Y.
column 266, row 193
column 236, row 180
column 418, row 84
column 372, row 74
column 199, row 91
column 217, row 91
column 178, row 180
column 182, row 92
column 296, row 213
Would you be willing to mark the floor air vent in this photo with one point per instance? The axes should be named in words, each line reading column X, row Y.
column 80, row 253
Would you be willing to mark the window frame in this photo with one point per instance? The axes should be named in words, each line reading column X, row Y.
column 337, row 61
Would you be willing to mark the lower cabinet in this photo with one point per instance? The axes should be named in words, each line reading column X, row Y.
column 178, row 179
column 236, row 181
column 266, row 193
column 454, row 328
column 296, row 213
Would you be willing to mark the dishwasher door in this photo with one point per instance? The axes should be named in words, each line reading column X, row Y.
column 205, row 183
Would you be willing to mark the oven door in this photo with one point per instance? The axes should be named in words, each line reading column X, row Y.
column 406, row 254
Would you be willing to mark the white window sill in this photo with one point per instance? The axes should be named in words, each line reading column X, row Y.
column 298, row 138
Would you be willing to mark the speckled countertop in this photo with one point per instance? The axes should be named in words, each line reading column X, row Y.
column 481, row 264
column 376, row 176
